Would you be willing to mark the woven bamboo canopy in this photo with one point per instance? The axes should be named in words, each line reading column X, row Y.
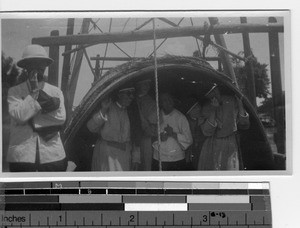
column 181, row 76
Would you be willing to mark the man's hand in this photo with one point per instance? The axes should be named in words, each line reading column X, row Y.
column 240, row 106
column 163, row 136
column 105, row 104
column 170, row 132
column 33, row 83
column 33, row 80
column 71, row 166
column 214, row 102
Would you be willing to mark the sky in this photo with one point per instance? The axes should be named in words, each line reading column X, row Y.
column 17, row 32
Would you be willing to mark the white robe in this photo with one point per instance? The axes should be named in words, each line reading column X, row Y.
column 174, row 150
column 114, row 128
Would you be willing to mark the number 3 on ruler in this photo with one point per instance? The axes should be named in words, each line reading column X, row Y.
column 204, row 218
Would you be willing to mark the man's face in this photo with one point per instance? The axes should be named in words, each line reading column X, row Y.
column 125, row 98
column 167, row 103
column 143, row 88
column 38, row 67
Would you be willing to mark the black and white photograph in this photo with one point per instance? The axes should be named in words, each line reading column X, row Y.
column 138, row 92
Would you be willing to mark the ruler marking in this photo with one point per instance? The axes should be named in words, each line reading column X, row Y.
column 38, row 219
column 66, row 218
column 173, row 219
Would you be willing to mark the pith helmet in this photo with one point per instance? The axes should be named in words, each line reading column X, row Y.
column 34, row 53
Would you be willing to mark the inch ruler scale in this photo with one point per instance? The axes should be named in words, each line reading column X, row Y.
column 88, row 204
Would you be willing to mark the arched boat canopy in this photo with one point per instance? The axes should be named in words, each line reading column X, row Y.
column 181, row 76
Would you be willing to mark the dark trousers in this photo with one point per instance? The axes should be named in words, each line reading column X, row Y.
column 169, row 166
column 57, row 166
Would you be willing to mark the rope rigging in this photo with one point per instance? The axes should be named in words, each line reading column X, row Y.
column 157, row 96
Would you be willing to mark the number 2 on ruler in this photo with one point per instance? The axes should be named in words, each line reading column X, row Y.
column 131, row 218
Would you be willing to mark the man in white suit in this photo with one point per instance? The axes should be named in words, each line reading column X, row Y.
column 37, row 114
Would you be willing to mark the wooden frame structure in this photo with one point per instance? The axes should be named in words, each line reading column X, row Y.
column 84, row 40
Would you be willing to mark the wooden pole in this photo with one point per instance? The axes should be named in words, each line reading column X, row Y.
column 67, row 58
column 148, row 34
column 97, row 68
column 54, row 54
column 77, row 65
column 277, row 94
column 251, row 91
column 227, row 65
column 66, row 68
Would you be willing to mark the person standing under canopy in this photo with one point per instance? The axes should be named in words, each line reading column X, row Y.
column 175, row 135
column 37, row 114
column 113, row 150
column 146, row 113
column 193, row 111
column 224, row 114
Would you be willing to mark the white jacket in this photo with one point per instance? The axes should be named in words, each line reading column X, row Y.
column 23, row 140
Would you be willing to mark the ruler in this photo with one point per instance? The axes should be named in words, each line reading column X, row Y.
column 135, row 204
